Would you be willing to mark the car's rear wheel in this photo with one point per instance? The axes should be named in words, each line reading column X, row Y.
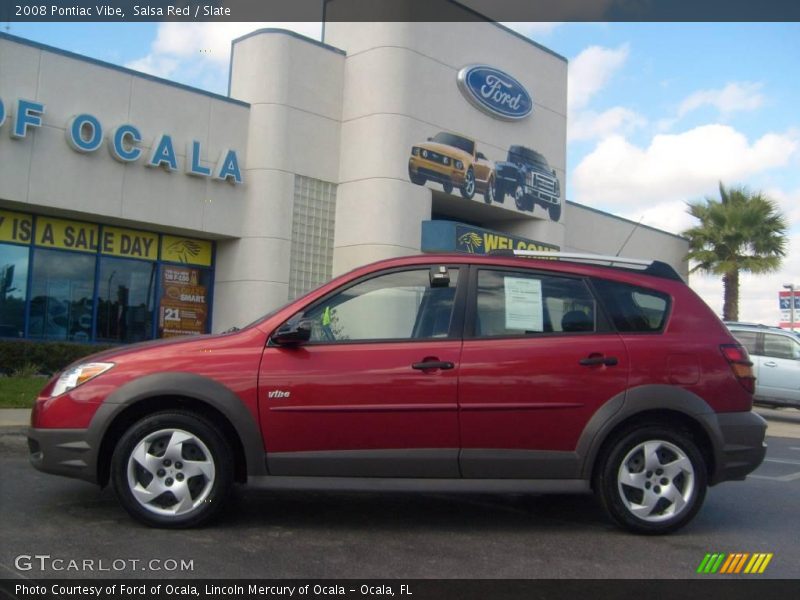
column 468, row 187
column 172, row 469
column 489, row 192
column 652, row 479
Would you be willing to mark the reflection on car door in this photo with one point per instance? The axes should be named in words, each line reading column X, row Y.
column 374, row 393
column 540, row 361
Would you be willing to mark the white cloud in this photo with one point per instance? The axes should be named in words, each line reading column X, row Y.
column 199, row 53
column 619, row 175
column 734, row 97
column 588, row 124
column 590, row 71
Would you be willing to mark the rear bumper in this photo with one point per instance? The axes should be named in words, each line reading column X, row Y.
column 63, row 452
column 742, row 446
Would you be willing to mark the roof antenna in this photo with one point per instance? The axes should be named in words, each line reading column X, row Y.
column 630, row 235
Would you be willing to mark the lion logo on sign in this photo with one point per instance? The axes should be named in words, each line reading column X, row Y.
column 470, row 241
column 185, row 250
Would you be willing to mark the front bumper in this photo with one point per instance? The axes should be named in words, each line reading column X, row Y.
column 540, row 195
column 435, row 171
column 64, row 452
column 742, row 445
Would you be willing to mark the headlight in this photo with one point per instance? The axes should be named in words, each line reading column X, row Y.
column 76, row 376
column 424, row 154
column 415, row 151
column 459, row 165
column 446, row 160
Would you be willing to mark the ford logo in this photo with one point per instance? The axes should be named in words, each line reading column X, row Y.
column 495, row 92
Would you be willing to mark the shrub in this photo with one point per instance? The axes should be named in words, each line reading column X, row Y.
column 45, row 357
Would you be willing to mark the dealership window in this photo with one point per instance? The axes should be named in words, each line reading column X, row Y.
column 84, row 282
column 125, row 300
column 511, row 303
column 13, row 288
column 313, row 218
column 62, row 292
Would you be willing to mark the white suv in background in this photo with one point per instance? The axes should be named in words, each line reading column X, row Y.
column 775, row 353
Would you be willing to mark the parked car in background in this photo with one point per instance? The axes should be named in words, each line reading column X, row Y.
column 775, row 353
column 452, row 160
column 527, row 177
column 523, row 372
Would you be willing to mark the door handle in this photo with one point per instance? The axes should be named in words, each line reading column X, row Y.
column 432, row 364
column 770, row 364
column 599, row 359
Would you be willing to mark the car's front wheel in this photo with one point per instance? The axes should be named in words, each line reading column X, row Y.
column 468, row 187
column 554, row 211
column 519, row 198
column 652, row 480
column 172, row 469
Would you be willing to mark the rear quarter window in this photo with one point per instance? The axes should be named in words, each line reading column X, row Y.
column 633, row 309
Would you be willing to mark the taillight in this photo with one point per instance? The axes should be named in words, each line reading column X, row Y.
column 741, row 365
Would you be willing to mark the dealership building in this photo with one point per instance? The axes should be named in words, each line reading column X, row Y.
column 132, row 207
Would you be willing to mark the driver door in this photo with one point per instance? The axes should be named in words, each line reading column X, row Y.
column 374, row 391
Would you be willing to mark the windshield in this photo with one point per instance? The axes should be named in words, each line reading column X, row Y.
column 522, row 154
column 459, row 142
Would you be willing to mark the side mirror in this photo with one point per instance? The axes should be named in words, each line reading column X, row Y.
column 293, row 334
column 480, row 155
column 430, row 139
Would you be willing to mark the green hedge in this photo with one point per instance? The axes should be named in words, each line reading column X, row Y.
column 45, row 357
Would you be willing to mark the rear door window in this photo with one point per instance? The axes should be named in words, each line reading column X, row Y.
column 516, row 303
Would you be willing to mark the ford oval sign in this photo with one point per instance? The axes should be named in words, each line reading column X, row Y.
column 494, row 92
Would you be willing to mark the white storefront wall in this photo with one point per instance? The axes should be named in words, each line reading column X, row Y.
column 346, row 112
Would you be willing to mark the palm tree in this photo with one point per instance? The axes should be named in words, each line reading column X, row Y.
column 740, row 232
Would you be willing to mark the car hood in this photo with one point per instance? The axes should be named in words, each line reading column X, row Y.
column 113, row 354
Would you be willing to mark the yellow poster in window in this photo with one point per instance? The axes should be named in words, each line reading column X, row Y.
column 15, row 227
column 129, row 243
column 186, row 250
column 67, row 235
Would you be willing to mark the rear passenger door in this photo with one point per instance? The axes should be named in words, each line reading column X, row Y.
column 539, row 358
column 779, row 368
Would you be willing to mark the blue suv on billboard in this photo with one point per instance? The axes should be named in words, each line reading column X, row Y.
column 530, row 180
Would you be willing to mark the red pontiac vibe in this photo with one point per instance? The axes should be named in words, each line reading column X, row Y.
column 503, row 373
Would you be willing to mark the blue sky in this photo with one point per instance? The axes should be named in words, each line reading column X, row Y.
column 658, row 112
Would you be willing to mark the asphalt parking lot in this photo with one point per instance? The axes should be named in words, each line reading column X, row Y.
column 347, row 535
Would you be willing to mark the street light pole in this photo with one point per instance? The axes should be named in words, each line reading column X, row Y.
column 791, row 288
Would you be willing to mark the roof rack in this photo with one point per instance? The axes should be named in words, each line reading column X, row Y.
column 656, row 268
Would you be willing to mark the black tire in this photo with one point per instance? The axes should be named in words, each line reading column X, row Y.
column 448, row 188
column 194, row 470
column 467, row 189
column 632, row 491
column 554, row 210
column 489, row 192
column 416, row 179
column 519, row 198
column 499, row 192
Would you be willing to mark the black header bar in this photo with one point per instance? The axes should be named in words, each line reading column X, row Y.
column 398, row 10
